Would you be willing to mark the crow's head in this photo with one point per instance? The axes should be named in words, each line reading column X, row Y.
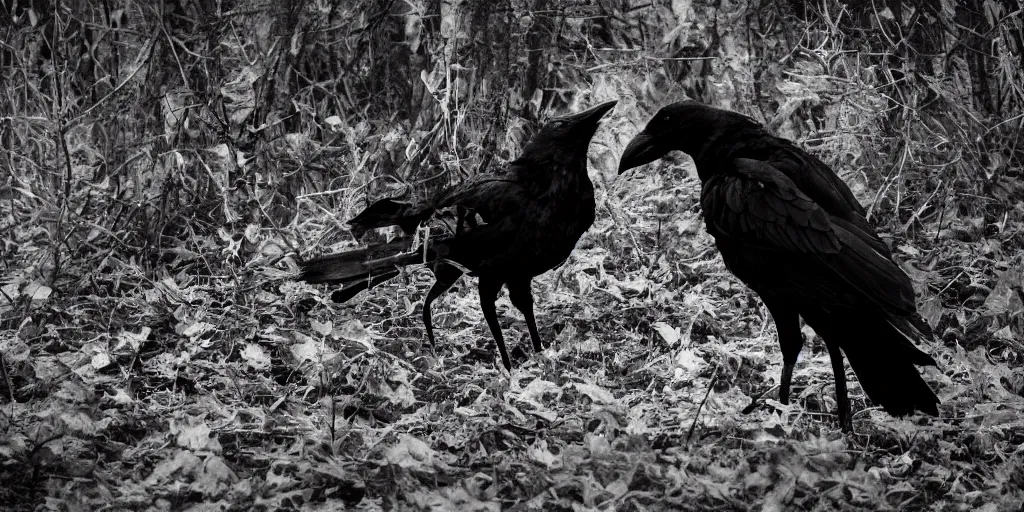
column 568, row 135
column 685, row 126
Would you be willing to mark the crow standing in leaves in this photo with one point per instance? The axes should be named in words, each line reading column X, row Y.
column 789, row 228
column 533, row 211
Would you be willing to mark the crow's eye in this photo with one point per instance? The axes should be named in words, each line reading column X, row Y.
column 557, row 124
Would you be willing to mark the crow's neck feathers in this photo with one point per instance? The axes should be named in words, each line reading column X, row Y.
column 553, row 169
column 726, row 143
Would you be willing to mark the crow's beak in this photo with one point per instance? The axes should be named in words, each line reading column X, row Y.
column 592, row 115
column 643, row 149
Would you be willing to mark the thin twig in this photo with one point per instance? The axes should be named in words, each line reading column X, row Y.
column 754, row 402
column 711, row 385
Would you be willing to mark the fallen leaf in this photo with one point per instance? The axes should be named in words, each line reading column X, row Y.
column 256, row 357
column 37, row 291
column 670, row 334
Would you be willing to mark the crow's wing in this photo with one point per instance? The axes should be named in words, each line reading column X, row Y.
column 492, row 196
column 755, row 205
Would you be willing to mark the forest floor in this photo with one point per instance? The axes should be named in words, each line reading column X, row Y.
column 248, row 392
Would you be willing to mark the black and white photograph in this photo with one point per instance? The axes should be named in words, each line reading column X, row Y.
column 511, row 255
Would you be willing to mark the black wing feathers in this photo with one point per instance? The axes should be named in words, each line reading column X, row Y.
column 388, row 212
column 492, row 196
column 759, row 206
column 825, row 188
column 814, row 178
column 873, row 274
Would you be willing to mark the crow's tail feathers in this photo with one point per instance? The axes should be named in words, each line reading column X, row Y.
column 360, row 269
column 884, row 358
column 388, row 212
